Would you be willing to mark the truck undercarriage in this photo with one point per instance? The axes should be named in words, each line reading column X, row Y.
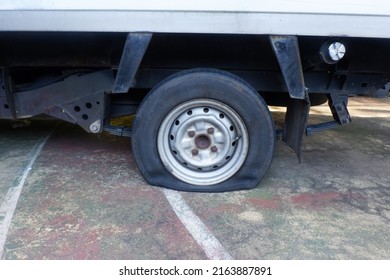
column 201, row 123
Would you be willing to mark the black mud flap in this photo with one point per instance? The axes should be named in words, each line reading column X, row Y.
column 133, row 52
column 295, row 124
column 286, row 50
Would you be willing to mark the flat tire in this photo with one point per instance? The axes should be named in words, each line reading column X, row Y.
column 203, row 130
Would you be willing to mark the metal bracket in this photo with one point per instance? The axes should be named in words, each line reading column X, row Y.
column 87, row 112
column 286, row 50
column 338, row 107
column 5, row 110
column 133, row 52
column 6, row 96
column 77, row 99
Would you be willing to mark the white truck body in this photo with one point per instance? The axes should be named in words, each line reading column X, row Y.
column 301, row 17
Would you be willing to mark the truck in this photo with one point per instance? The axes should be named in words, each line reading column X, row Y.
column 197, row 75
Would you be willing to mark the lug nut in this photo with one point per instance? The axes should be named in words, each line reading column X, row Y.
column 191, row 133
column 214, row 149
column 210, row 130
column 195, row 152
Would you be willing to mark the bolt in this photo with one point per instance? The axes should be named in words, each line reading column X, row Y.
column 195, row 152
column 191, row 133
column 95, row 126
column 210, row 130
column 214, row 149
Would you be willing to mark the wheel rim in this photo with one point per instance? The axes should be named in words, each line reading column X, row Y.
column 202, row 142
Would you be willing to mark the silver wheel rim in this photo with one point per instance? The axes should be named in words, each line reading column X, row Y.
column 202, row 142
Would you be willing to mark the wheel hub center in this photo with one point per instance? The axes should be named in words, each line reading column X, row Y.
column 202, row 141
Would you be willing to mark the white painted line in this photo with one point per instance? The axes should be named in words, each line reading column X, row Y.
column 203, row 236
column 8, row 206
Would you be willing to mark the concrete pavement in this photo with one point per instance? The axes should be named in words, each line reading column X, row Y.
column 85, row 199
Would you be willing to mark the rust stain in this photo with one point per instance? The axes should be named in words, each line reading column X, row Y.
column 317, row 199
column 273, row 203
column 85, row 245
